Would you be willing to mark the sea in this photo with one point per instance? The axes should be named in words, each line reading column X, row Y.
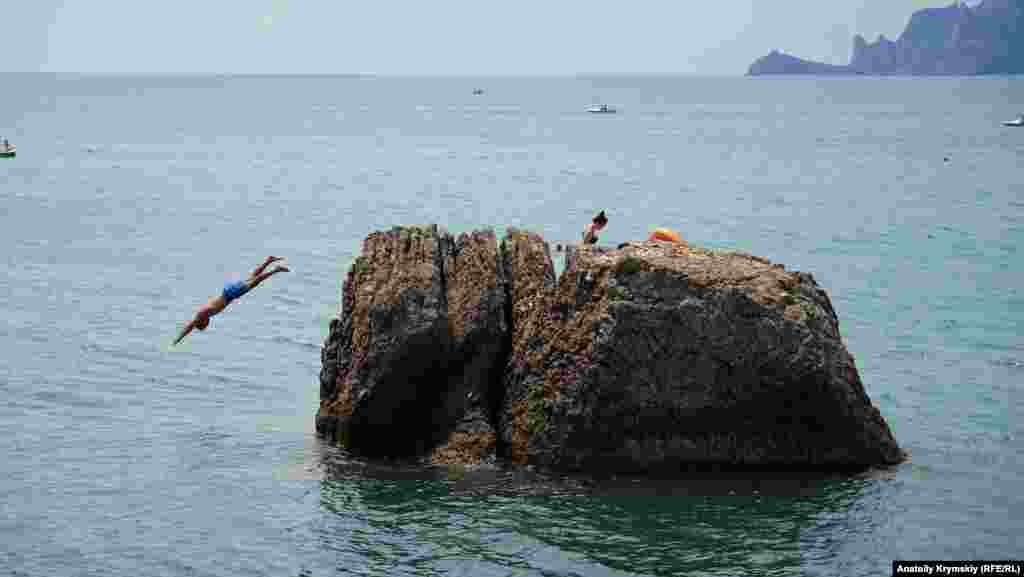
column 132, row 199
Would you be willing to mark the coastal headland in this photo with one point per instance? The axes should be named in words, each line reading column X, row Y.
column 955, row 40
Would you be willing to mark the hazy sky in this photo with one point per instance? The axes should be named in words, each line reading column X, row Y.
column 439, row 37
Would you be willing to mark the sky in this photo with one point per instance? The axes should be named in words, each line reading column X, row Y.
column 444, row 37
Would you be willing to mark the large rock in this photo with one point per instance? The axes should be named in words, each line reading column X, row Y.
column 660, row 356
column 410, row 364
column 654, row 357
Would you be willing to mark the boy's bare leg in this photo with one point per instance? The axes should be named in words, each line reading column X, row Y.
column 257, row 279
column 263, row 266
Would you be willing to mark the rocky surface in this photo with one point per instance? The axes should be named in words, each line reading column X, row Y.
column 527, row 259
column 410, row 364
column 662, row 356
column 657, row 356
column 954, row 40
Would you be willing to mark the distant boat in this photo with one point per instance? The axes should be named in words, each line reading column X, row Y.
column 601, row 109
column 1019, row 121
column 8, row 152
column 478, row 91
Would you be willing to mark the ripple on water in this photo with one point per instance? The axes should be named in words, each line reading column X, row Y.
column 621, row 526
column 296, row 343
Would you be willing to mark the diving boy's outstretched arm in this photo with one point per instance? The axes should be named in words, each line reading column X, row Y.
column 184, row 331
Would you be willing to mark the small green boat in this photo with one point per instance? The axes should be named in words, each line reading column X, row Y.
column 8, row 153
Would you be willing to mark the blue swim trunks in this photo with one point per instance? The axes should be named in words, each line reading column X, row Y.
column 234, row 289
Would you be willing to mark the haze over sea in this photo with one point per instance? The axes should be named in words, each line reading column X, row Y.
column 132, row 199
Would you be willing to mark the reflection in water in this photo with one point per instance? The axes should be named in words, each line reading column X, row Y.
column 434, row 520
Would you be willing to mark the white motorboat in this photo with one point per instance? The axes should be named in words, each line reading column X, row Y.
column 1019, row 121
column 601, row 109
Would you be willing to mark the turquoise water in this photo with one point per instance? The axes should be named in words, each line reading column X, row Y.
column 132, row 200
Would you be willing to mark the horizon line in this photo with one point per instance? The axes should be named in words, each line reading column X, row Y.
column 610, row 74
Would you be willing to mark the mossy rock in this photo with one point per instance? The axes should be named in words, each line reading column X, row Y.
column 629, row 265
column 535, row 408
column 616, row 294
column 343, row 439
column 456, row 471
column 413, row 231
column 516, row 234
column 360, row 264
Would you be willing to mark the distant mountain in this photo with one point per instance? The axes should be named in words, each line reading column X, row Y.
column 779, row 63
column 954, row 40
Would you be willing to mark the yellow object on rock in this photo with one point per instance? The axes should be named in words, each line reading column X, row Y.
column 664, row 233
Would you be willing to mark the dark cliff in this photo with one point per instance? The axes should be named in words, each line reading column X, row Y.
column 952, row 40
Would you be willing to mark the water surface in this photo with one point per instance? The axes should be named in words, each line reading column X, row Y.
column 133, row 199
